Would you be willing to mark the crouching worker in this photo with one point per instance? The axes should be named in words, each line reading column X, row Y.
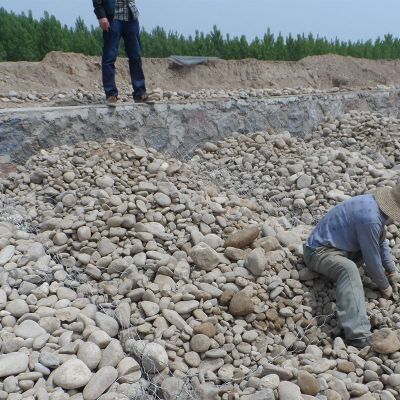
column 352, row 229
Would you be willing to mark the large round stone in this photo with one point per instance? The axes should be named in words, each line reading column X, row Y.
column 90, row 354
column 200, row 343
column 17, row 308
column 241, row 305
column 155, row 358
column 204, row 257
column 308, row 383
column 385, row 341
column 73, row 374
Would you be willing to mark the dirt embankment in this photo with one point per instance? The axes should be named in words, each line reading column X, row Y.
column 63, row 71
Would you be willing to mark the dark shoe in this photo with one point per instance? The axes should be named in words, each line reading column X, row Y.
column 112, row 101
column 144, row 98
column 360, row 343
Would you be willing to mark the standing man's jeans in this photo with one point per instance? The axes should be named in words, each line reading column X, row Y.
column 350, row 300
column 129, row 31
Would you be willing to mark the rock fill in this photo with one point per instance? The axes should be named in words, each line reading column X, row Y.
column 128, row 274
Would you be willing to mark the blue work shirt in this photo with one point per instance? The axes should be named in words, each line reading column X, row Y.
column 357, row 225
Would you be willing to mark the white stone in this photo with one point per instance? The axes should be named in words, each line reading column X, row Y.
column 6, row 254
column 73, row 374
column 13, row 364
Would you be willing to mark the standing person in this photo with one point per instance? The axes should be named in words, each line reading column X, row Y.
column 352, row 229
column 119, row 18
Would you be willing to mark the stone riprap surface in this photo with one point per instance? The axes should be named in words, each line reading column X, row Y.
column 128, row 274
column 75, row 97
column 172, row 126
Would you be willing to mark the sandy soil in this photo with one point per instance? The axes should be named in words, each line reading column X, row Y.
column 63, row 71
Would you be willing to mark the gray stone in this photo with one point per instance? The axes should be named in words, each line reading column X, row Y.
column 265, row 394
column 105, row 247
column 105, row 181
column 150, row 308
column 153, row 355
column 200, row 343
column 112, row 354
column 113, row 396
column 10, row 384
column 256, row 262
column 107, row 324
column 49, row 360
column 186, row 307
column 17, row 308
column 162, row 199
column 303, row 181
column 289, row 391
column 175, row 319
column 172, row 388
column 84, row 233
column 284, row 374
column 90, row 354
column 129, row 370
column 29, row 329
column 99, row 383
column 204, row 257
column 6, row 254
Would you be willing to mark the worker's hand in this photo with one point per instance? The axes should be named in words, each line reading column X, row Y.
column 394, row 278
column 104, row 24
column 387, row 292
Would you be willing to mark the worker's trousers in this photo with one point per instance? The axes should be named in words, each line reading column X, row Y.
column 350, row 301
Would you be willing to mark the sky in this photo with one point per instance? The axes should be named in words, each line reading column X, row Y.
column 344, row 19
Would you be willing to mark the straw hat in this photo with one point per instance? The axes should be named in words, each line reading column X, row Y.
column 388, row 199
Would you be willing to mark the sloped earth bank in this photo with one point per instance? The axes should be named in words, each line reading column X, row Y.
column 59, row 73
column 127, row 274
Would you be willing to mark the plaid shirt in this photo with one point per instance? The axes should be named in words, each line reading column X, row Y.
column 125, row 10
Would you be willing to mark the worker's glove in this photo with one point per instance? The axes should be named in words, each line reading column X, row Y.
column 387, row 292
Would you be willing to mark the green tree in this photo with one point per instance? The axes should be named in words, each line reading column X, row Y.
column 24, row 38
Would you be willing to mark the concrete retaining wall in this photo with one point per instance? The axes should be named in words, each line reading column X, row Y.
column 172, row 127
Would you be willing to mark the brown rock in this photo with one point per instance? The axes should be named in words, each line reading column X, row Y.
column 308, row 384
column 345, row 366
column 206, row 328
column 272, row 314
column 235, row 254
column 243, row 238
column 385, row 341
column 200, row 343
column 241, row 305
column 332, row 395
column 226, row 297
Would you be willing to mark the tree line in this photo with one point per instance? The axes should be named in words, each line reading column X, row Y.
column 24, row 38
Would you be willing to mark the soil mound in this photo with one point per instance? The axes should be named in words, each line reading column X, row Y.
column 63, row 71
